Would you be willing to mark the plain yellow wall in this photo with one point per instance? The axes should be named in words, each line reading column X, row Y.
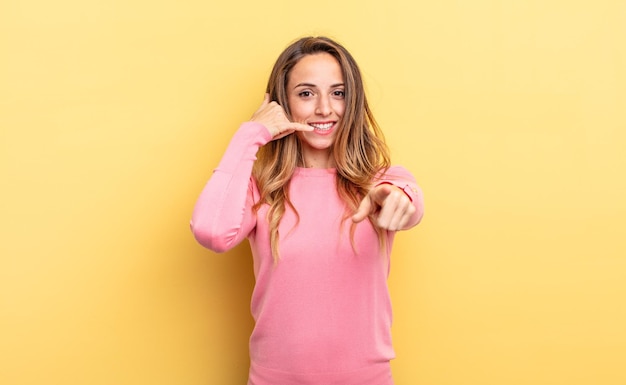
column 511, row 114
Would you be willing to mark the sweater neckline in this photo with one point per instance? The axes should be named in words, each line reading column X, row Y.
column 315, row 172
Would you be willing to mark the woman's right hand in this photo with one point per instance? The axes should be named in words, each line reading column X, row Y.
column 273, row 117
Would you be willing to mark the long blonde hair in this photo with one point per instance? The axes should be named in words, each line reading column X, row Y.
column 359, row 150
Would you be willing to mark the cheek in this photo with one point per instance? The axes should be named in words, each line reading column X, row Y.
column 298, row 109
column 340, row 107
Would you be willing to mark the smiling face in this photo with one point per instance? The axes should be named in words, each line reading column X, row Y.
column 316, row 96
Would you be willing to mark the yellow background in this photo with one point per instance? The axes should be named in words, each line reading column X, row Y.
column 511, row 114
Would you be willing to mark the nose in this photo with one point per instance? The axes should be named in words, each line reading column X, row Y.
column 323, row 106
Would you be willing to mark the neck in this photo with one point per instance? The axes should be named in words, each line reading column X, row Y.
column 318, row 162
column 317, row 159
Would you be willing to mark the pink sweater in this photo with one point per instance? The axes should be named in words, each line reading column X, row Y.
column 322, row 313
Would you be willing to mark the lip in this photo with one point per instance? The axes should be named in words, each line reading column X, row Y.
column 321, row 131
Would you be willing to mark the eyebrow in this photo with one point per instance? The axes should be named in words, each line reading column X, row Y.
column 314, row 86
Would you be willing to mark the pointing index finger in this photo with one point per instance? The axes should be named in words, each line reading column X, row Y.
column 381, row 192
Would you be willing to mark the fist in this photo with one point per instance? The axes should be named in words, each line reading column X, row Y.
column 388, row 206
column 274, row 118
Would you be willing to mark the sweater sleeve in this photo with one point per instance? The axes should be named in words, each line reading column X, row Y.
column 403, row 179
column 222, row 216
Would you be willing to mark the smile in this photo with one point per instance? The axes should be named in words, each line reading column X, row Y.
column 322, row 126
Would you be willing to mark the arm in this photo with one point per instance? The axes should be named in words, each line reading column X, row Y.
column 395, row 202
column 222, row 216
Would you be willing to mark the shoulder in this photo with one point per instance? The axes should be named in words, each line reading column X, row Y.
column 395, row 173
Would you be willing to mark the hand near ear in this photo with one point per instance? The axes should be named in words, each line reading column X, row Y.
column 389, row 207
column 273, row 117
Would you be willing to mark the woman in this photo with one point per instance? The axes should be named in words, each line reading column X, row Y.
column 307, row 180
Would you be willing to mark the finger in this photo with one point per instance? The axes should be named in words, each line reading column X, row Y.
column 380, row 193
column 371, row 202
column 406, row 217
column 388, row 210
column 396, row 219
column 364, row 209
column 291, row 126
column 283, row 134
column 301, row 126
column 262, row 110
column 396, row 211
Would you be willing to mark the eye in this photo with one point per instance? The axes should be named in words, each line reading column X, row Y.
column 305, row 94
column 339, row 93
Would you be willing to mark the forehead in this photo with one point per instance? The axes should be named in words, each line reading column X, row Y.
column 316, row 68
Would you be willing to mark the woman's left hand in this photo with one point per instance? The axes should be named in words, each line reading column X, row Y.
column 389, row 207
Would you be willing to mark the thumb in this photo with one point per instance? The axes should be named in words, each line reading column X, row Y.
column 266, row 99
column 364, row 209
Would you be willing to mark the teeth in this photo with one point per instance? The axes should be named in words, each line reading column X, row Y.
column 325, row 126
